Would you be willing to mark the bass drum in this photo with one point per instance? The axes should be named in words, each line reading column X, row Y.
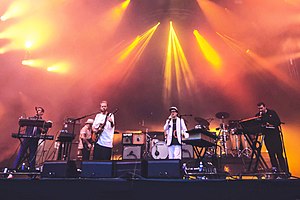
column 160, row 150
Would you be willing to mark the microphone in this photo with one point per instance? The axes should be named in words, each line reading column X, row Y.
column 260, row 114
column 169, row 119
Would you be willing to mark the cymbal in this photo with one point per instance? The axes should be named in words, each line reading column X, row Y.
column 222, row 115
column 201, row 121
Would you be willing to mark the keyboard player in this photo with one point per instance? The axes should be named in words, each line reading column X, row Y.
column 271, row 129
column 30, row 143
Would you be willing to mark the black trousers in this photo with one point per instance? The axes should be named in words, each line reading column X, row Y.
column 32, row 145
column 275, row 150
column 85, row 154
column 102, row 153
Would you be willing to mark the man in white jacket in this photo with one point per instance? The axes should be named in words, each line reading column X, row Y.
column 175, row 129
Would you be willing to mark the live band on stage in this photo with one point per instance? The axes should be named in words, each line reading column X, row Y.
column 235, row 138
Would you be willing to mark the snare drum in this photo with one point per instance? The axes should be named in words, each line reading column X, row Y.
column 160, row 150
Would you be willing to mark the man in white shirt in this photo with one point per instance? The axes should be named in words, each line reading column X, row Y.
column 104, row 125
column 175, row 129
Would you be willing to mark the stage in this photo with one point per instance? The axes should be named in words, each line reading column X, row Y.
column 147, row 179
column 119, row 188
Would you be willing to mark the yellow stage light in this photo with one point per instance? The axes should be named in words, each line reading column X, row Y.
column 16, row 9
column 258, row 61
column 209, row 52
column 28, row 44
column 138, row 45
column 33, row 63
column 3, row 18
column 35, row 33
column 125, row 4
column 124, row 62
column 177, row 70
column 60, row 68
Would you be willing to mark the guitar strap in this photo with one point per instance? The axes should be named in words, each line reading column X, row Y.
column 105, row 120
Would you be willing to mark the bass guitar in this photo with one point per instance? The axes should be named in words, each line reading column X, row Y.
column 96, row 134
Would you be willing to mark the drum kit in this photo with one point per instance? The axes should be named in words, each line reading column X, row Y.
column 230, row 137
column 155, row 147
column 230, row 140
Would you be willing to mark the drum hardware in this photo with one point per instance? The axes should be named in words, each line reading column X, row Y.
column 223, row 132
column 238, row 139
column 222, row 115
column 146, row 153
column 202, row 122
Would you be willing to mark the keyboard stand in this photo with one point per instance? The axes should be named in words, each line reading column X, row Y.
column 256, row 146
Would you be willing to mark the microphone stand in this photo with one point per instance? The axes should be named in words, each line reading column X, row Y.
column 79, row 118
column 73, row 121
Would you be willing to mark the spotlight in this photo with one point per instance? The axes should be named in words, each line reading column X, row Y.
column 3, row 18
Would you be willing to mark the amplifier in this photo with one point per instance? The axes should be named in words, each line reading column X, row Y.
column 127, row 138
column 132, row 152
column 138, row 138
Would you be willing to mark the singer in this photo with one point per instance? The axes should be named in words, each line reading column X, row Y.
column 175, row 129
column 273, row 137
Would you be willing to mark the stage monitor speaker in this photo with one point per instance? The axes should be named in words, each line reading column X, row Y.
column 162, row 169
column 127, row 169
column 187, row 151
column 132, row 152
column 96, row 169
column 59, row 169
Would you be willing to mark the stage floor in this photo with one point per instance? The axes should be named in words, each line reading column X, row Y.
column 152, row 179
column 152, row 189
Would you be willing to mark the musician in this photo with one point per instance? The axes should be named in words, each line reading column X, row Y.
column 175, row 129
column 85, row 144
column 104, row 125
column 271, row 130
column 30, row 143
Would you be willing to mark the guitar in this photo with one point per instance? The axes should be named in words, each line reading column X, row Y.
column 96, row 134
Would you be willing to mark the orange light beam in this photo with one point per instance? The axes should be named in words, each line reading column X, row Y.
column 177, row 68
column 208, row 51
column 263, row 63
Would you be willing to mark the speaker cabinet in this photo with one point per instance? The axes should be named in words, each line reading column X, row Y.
column 96, row 169
column 138, row 138
column 59, row 169
column 132, row 152
column 127, row 138
column 127, row 169
column 162, row 169
column 187, row 151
